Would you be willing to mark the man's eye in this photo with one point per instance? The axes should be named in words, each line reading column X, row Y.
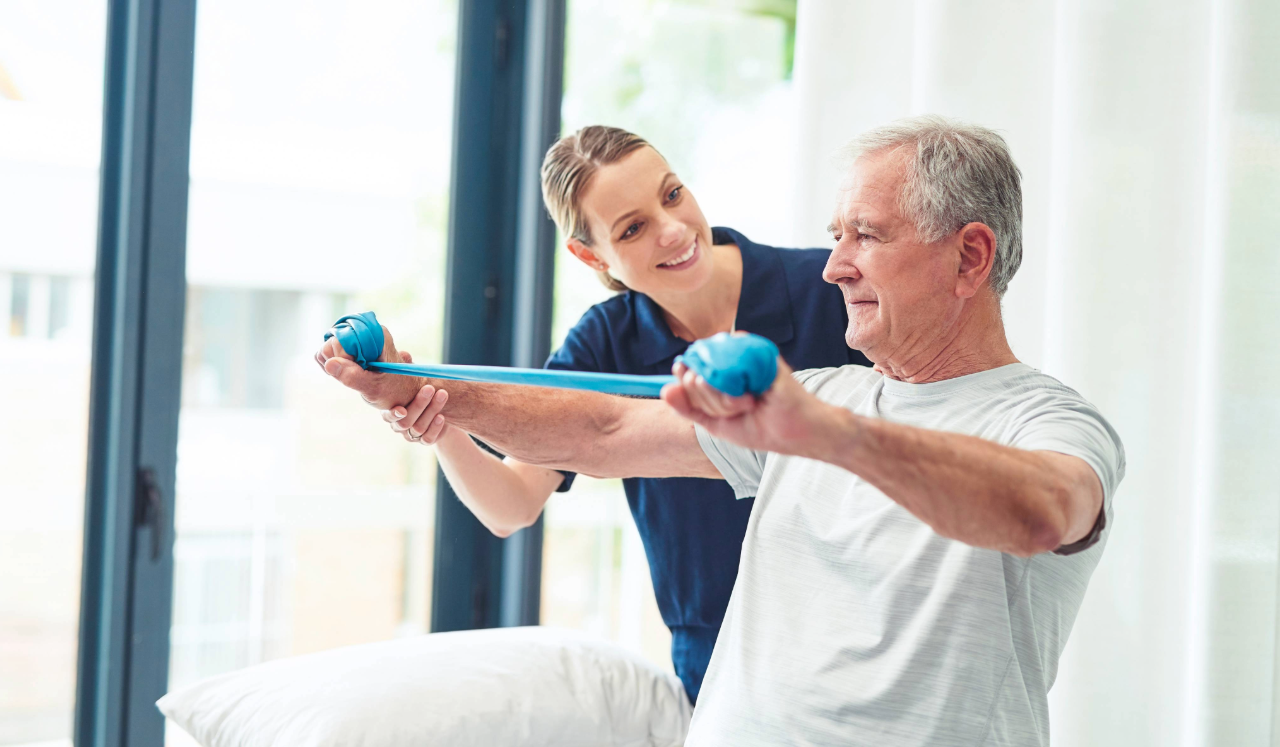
column 675, row 194
column 836, row 237
column 632, row 230
column 865, row 236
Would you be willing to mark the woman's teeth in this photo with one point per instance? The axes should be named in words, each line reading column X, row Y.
column 683, row 257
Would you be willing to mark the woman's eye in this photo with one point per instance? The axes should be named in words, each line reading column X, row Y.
column 632, row 230
column 675, row 194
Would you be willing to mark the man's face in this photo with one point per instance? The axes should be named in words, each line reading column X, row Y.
column 900, row 292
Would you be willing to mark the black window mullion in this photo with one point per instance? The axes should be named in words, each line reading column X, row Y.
column 535, row 272
column 135, row 380
column 507, row 107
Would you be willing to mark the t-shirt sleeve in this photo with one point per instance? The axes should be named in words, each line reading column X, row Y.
column 579, row 352
column 741, row 467
column 1072, row 426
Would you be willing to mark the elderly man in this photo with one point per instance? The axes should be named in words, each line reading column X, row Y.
column 923, row 532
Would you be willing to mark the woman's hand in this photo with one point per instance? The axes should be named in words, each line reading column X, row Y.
column 420, row 420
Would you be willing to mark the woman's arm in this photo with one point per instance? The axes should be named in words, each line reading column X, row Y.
column 505, row 495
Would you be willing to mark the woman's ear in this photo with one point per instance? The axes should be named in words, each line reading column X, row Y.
column 585, row 255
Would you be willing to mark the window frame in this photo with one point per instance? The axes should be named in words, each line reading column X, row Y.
column 497, row 306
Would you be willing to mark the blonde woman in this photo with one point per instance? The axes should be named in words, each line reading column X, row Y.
column 628, row 216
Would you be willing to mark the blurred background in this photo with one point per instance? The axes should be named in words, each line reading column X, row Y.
column 1149, row 138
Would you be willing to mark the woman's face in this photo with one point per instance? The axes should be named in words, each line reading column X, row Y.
column 647, row 229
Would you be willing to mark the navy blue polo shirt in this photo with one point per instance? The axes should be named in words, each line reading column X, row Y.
column 692, row 528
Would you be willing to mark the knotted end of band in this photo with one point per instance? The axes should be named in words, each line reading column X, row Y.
column 360, row 335
column 734, row 364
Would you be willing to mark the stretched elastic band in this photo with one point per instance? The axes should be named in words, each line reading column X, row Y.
column 733, row 364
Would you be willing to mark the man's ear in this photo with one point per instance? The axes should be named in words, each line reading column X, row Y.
column 977, row 257
column 586, row 255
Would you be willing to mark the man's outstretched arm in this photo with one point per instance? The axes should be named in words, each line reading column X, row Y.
column 979, row 492
column 596, row 434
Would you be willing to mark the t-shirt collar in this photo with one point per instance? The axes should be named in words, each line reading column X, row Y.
column 764, row 305
column 997, row 377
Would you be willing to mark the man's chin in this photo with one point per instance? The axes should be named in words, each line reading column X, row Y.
column 854, row 340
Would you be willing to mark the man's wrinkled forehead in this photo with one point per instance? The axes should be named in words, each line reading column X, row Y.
column 867, row 196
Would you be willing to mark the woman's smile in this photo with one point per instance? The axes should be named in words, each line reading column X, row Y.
column 685, row 259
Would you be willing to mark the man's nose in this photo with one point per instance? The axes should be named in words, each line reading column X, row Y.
column 840, row 266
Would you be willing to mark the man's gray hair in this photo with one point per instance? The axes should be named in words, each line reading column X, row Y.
column 960, row 173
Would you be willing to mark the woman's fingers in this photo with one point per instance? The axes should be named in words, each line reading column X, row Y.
column 425, row 420
column 410, row 413
column 435, row 430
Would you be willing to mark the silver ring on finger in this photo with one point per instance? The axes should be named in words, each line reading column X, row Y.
column 413, row 437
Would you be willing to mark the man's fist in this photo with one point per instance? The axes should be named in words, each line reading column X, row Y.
column 383, row 391
column 785, row 420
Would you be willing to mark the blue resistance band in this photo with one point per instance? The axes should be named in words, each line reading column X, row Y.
column 734, row 364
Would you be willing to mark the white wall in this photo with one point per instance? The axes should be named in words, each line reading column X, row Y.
column 1149, row 139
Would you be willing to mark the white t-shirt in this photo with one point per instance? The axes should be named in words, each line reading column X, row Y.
column 854, row 623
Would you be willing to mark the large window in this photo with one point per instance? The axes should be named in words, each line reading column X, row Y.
column 708, row 83
column 51, row 72
column 319, row 176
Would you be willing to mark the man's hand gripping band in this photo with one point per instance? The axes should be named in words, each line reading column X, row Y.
column 734, row 364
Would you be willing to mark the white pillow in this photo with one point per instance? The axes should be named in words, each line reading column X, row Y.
column 505, row 686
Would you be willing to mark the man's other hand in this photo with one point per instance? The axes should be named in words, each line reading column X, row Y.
column 383, row 391
column 787, row 419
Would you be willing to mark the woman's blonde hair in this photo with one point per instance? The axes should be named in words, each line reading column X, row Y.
column 567, row 170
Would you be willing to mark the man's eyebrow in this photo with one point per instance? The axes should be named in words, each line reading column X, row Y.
column 859, row 223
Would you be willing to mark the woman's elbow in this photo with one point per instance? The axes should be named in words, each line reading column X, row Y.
column 506, row 526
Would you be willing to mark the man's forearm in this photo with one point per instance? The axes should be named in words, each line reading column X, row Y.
column 596, row 434
column 964, row 487
column 600, row 435
column 547, row 427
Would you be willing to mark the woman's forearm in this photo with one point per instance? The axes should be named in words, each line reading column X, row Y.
column 504, row 495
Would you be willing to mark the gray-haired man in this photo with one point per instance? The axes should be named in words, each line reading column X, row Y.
column 923, row 532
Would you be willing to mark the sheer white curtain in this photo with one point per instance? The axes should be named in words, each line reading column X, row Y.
column 1148, row 132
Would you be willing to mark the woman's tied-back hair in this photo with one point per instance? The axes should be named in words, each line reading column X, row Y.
column 567, row 170
column 956, row 173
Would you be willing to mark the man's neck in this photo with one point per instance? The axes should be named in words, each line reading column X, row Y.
column 975, row 343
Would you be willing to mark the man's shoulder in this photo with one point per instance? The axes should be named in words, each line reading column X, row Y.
column 1044, row 414
column 1021, row 382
